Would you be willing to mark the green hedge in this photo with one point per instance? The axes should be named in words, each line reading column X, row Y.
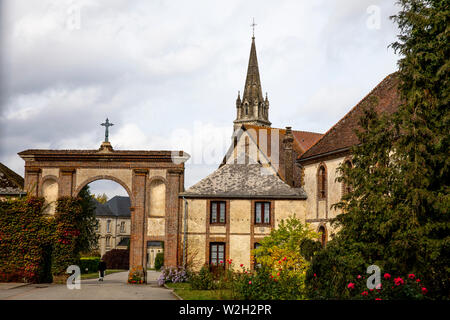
column 159, row 260
column 89, row 263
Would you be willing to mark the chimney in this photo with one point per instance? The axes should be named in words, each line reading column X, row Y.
column 288, row 157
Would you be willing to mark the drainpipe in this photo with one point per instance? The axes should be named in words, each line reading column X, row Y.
column 185, row 231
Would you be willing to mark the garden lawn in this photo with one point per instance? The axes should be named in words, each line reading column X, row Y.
column 184, row 291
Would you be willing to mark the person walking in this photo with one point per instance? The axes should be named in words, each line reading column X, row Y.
column 101, row 269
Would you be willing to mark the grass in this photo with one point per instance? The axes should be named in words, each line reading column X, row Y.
column 185, row 291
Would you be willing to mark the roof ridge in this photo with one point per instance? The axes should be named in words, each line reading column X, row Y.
column 350, row 111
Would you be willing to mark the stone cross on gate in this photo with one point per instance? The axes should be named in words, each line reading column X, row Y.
column 107, row 124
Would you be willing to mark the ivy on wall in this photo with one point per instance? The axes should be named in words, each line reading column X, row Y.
column 35, row 246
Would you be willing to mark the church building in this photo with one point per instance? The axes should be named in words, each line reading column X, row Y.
column 256, row 186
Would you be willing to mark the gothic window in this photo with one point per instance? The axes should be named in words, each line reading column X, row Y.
column 122, row 226
column 108, row 242
column 218, row 212
column 323, row 236
column 217, row 254
column 262, row 213
column 246, row 109
column 322, row 182
column 347, row 188
column 108, row 226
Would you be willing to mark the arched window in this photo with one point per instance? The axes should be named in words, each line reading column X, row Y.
column 322, row 182
column 345, row 187
column 323, row 236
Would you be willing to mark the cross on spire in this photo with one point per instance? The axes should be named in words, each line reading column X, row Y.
column 253, row 27
column 107, row 124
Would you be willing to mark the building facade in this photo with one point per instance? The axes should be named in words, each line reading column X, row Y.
column 114, row 224
column 257, row 185
column 321, row 161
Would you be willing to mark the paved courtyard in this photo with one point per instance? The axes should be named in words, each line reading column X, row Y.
column 114, row 287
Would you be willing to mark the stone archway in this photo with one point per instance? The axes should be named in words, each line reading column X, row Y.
column 71, row 170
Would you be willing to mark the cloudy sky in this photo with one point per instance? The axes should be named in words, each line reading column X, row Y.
column 167, row 72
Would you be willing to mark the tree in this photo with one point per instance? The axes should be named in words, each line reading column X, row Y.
column 87, row 224
column 101, row 198
column 396, row 215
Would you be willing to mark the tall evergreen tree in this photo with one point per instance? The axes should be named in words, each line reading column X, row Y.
column 397, row 214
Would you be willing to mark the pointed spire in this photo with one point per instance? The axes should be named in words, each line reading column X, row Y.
column 252, row 90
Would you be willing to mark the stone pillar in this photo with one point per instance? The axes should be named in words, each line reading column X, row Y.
column 172, row 219
column 66, row 182
column 32, row 179
column 138, row 225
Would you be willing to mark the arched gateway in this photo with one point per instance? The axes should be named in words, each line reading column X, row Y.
column 153, row 180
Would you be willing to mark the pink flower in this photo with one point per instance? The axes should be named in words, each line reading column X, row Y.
column 315, row 275
column 249, row 282
column 411, row 276
column 284, row 259
column 358, row 277
column 278, row 274
column 351, row 285
column 424, row 290
column 364, row 293
column 387, row 276
column 398, row 281
column 379, row 286
column 220, row 261
column 377, row 299
column 417, row 280
column 242, row 265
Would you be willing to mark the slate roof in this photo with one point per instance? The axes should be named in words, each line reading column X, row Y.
column 243, row 181
column 117, row 206
column 10, row 182
column 342, row 136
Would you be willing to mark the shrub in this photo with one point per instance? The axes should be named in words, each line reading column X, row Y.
column 173, row 274
column 267, row 284
column 117, row 259
column 203, row 280
column 159, row 260
column 391, row 288
column 89, row 264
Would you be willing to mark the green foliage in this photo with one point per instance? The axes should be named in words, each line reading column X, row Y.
column 89, row 264
column 159, row 260
column 396, row 215
column 202, row 280
column 35, row 246
column 26, row 239
column 87, row 223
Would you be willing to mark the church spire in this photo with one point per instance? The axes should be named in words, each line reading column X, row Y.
column 252, row 90
column 252, row 108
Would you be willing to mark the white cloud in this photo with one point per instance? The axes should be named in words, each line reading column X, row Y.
column 166, row 73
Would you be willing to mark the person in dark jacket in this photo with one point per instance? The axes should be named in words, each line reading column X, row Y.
column 101, row 269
